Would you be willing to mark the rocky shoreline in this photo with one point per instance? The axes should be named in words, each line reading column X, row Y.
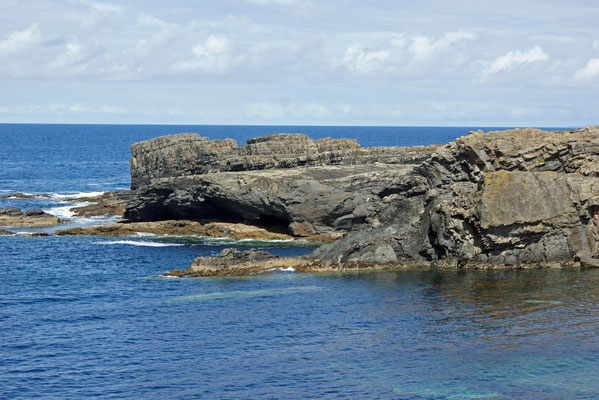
column 35, row 218
column 520, row 198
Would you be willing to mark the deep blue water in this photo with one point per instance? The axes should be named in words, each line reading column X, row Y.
column 90, row 317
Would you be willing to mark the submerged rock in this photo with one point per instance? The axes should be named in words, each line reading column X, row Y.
column 231, row 262
column 21, row 196
column 234, row 262
column 32, row 218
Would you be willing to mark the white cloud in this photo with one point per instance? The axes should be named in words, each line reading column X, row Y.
column 361, row 61
column 400, row 56
column 211, row 56
column 64, row 109
column 590, row 71
column 292, row 110
column 106, row 8
column 515, row 58
column 214, row 45
column 423, row 46
column 19, row 39
column 99, row 7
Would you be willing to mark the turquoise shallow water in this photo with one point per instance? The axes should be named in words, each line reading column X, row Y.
column 90, row 317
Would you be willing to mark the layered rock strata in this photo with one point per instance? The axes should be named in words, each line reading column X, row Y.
column 512, row 198
column 517, row 198
column 32, row 218
column 287, row 180
column 234, row 231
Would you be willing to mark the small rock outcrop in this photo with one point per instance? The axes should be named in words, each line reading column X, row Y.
column 111, row 204
column 33, row 218
column 232, row 262
column 234, row 231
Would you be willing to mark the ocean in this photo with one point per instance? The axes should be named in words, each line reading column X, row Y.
column 91, row 317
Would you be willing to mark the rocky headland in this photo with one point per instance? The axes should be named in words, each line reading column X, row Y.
column 522, row 198
column 518, row 198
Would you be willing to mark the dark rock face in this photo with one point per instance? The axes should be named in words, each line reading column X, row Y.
column 333, row 185
column 516, row 198
column 513, row 198
column 188, row 154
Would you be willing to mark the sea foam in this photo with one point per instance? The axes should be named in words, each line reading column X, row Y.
column 77, row 195
column 139, row 243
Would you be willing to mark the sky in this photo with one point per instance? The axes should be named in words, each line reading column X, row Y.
column 301, row 62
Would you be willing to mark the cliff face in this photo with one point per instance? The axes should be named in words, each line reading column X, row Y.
column 514, row 198
column 188, row 154
column 303, row 185
column 520, row 197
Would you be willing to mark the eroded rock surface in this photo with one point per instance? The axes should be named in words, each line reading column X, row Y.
column 288, row 180
column 33, row 218
column 511, row 198
column 112, row 204
column 516, row 198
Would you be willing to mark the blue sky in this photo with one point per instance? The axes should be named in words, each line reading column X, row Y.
column 336, row 62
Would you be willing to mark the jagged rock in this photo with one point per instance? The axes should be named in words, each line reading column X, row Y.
column 33, row 218
column 4, row 232
column 333, row 186
column 515, row 198
column 189, row 154
column 107, row 204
